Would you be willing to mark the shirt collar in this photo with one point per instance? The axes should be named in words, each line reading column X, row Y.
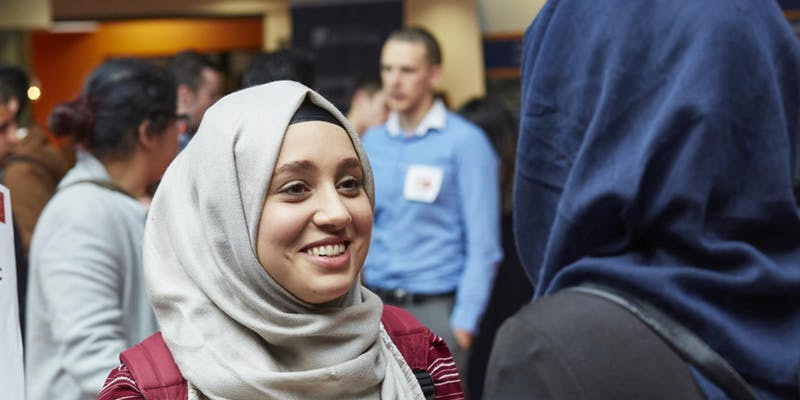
column 434, row 119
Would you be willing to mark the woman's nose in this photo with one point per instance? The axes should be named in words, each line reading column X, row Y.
column 332, row 212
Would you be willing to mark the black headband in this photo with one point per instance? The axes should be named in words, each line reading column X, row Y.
column 309, row 111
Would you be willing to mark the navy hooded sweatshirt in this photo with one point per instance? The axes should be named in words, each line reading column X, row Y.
column 658, row 154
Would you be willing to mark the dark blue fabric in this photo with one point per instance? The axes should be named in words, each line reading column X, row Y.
column 658, row 152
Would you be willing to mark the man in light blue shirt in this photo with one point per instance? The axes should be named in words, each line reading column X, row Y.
column 436, row 238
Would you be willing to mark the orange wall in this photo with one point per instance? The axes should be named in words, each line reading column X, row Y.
column 61, row 61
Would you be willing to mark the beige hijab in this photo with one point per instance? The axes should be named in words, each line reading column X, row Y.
column 233, row 331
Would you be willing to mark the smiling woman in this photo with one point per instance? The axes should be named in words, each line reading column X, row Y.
column 317, row 219
column 253, row 252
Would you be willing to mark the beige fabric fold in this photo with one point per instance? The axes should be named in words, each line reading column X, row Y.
column 233, row 331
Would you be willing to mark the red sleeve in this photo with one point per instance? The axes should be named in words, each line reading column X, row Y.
column 120, row 385
column 442, row 368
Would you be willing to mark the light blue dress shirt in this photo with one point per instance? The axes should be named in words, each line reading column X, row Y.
column 437, row 211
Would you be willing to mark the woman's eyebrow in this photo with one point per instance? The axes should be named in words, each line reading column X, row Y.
column 349, row 163
column 296, row 166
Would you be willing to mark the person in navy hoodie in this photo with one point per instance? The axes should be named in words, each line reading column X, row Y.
column 657, row 162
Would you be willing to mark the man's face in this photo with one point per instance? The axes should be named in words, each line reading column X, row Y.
column 8, row 128
column 408, row 77
column 195, row 103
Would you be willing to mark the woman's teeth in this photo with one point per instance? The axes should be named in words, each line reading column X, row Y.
column 327, row 250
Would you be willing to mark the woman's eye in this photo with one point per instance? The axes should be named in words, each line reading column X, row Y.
column 350, row 184
column 294, row 189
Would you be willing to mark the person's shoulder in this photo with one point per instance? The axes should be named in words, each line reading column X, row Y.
column 81, row 202
column 375, row 132
column 87, row 210
column 22, row 174
column 463, row 128
column 145, row 367
column 466, row 135
column 398, row 321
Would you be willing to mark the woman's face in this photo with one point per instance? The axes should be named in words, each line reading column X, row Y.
column 316, row 223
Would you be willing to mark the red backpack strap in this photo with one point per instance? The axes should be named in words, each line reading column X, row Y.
column 409, row 335
column 413, row 340
column 156, row 374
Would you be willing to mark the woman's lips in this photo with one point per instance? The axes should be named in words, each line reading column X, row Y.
column 339, row 261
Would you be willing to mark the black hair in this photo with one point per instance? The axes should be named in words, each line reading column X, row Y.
column 14, row 84
column 117, row 97
column 499, row 122
column 370, row 83
column 287, row 64
column 187, row 68
column 420, row 35
column 70, row 117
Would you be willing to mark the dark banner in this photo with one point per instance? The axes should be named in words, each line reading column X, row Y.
column 502, row 55
column 345, row 40
column 789, row 4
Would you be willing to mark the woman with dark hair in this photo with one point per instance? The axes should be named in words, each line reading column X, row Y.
column 86, row 299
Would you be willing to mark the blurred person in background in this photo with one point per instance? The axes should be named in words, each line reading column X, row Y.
column 436, row 241
column 11, row 101
column 86, row 298
column 368, row 106
column 199, row 84
column 511, row 288
column 34, row 171
column 286, row 64
column 31, row 175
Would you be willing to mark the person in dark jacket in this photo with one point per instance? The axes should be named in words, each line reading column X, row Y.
column 510, row 289
column 659, row 149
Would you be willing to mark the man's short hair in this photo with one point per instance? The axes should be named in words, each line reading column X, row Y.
column 420, row 35
column 370, row 83
column 187, row 68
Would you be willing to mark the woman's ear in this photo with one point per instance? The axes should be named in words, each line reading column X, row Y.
column 145, row 138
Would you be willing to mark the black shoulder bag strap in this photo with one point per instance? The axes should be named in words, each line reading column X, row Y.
column 688, row 346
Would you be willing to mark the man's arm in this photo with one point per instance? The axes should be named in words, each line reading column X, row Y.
column 479, row 192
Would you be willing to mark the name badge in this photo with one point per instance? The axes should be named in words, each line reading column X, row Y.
column 423, row 183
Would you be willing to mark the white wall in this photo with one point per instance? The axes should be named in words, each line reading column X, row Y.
column 455, row 25
column 27, row 14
